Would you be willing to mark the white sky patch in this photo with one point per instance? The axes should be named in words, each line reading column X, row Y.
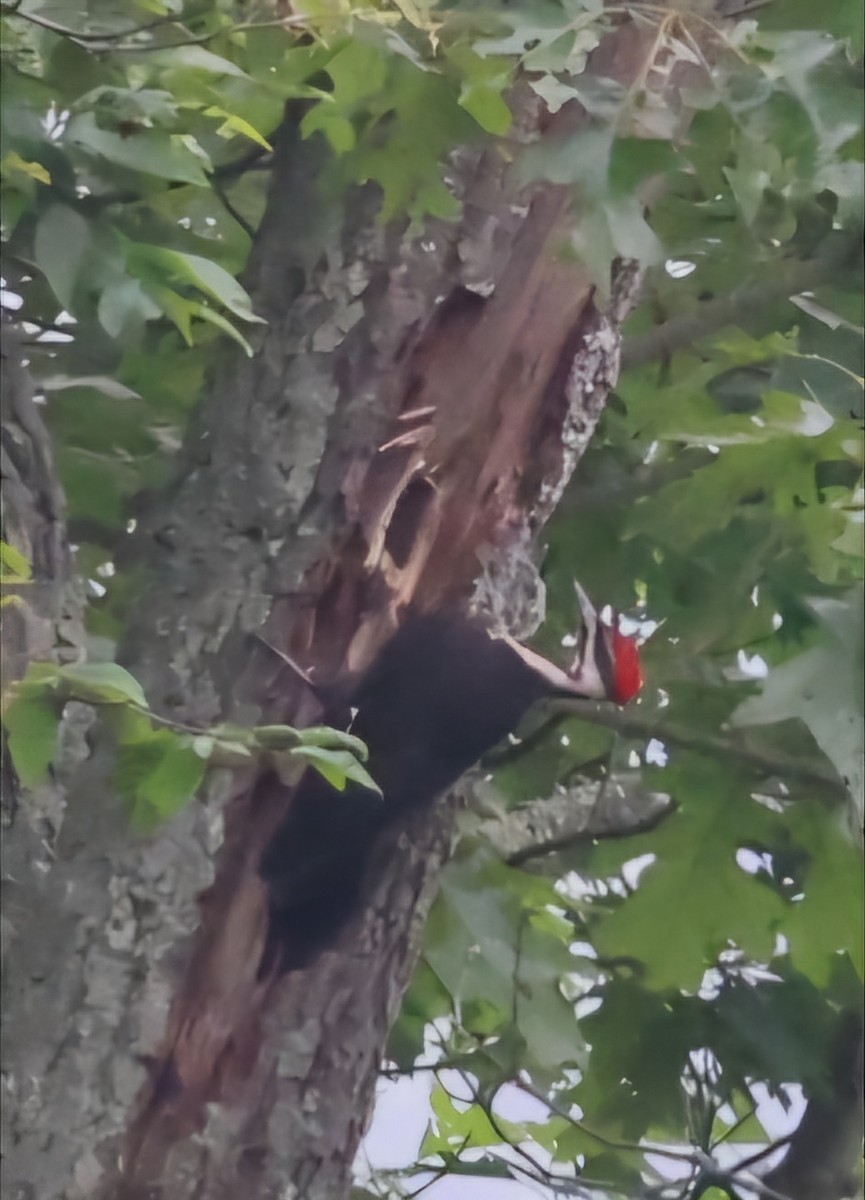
column 770, row 802
column 656, row 753
column 634, row 868
column 669, row 1168
column 460, row 1087
column 583, row 950
column 565, row 740
column 587, row 1005
column 514, row 1104
column 51, row 335
column 748, row 666
column 54, row 122
column 754, row 667
column 11, row 300
column 634, row 759
column 398, row 1125
column 771, row 1112
column 679, row 268
column 577, row 984
column 711, row 983
column 815, row 419
column 638, row 627
column 751, row 862
column 575, row 887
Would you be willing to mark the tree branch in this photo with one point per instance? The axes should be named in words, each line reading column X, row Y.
column 774, row 762
column 738, row 308
column 84, row 36
column 93, row 41
column 629, row 723
column 587, row 834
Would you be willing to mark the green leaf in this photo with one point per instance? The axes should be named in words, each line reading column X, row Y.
column 13, row 562
column 175, row 266
column 823, row 688
column 157, row 775
column 123, row 305
column 203, row 746
column 13, row 162
column 206, row 313
column 334, row 739
column 826, row 921
column 150, row 151
column 276, row 737
column 484, row 80
column 339, row 767
column 60, row 248
column 102, row 683
column 195, row 58
column 177, row 308
column 486, row 105
column 31, row 722
column 641, row 1042
column 232, row 124
column 468, row 1129
column 493, row 958
column 696, row 873
column 227, row 753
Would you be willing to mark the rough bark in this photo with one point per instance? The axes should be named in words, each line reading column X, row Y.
column 409, row 420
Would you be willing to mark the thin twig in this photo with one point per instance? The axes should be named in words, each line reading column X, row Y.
column 733, row 1128
column 287, row 22
column 638, row 1147
column 746, row 1163
column 90, row 40
column 219, row 192
column 88, row 36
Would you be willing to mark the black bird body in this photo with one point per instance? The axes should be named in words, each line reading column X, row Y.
column 440, row 694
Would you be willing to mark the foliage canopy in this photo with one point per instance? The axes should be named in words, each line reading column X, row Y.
column 720, row 505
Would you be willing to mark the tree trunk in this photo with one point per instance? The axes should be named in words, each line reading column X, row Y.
column 408, row 422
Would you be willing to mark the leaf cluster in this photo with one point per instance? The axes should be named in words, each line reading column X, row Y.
column 160, row 763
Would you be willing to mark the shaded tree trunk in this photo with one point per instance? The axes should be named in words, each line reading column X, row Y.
column 411, row 416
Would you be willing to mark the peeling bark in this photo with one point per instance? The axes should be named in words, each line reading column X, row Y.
column 458, row 454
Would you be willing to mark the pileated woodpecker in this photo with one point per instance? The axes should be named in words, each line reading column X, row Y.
column 442, row 692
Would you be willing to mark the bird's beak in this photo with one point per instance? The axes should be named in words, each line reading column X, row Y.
column 591, row 670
